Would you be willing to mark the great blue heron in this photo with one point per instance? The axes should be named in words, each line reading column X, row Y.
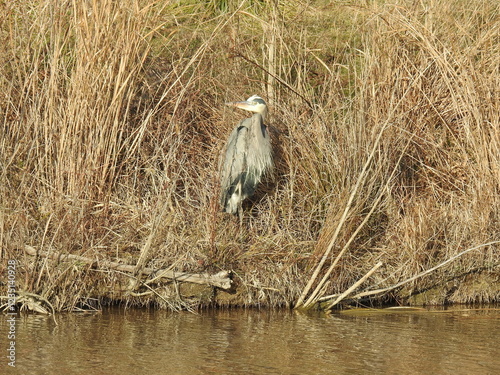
column 248, row 156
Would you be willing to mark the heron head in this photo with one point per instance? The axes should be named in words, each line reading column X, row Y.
column 253, row 104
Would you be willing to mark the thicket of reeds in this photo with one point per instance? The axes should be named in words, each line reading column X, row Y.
column 384, row 119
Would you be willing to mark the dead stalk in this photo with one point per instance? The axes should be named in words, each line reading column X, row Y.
column 354, row 286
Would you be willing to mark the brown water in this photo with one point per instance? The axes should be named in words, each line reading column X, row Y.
column 256, row 342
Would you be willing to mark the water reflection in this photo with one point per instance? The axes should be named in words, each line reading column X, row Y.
column 258, row 342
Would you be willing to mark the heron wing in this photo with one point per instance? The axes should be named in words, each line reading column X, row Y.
column 234, row 163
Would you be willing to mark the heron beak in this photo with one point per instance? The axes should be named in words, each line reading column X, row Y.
column 243, row 105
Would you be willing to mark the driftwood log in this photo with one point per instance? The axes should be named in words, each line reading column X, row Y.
column 220, row 280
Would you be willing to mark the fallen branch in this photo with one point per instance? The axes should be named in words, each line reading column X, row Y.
column 219, row 280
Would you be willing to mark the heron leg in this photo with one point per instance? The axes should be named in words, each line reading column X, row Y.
column 240, row 214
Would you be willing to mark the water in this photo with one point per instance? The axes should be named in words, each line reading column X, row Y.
column 256, row 342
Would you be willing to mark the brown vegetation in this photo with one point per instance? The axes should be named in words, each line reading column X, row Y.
column 385, row 121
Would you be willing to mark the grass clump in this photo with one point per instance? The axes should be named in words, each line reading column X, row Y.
column 384, row 119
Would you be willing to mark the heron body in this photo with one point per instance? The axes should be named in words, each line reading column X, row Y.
column 248, row 156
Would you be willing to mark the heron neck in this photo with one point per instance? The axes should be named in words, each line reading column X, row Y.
column 264, row 115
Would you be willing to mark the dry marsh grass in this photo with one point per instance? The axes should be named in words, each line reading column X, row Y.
column 384, row 117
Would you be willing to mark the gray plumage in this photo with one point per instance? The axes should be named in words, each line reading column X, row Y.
column 248, row 156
